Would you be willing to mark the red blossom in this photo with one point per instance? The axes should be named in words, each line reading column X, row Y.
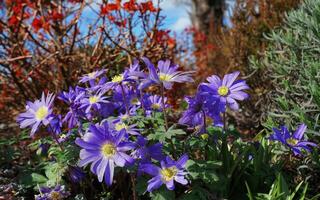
column 37, row 24
column 75, row 1
column 56, row 16
column 130, row 6
column 105, row 9
column 13, row 21
column 147, row 6
column 40, row 23
column 122, row 23
column 111, row 18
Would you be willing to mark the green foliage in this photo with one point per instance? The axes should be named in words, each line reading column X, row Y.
column 293, row 66
column 279, row 191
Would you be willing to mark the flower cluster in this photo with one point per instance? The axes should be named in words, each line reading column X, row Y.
column 113, row 140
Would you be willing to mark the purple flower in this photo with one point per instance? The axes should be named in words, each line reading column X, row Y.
column 37, row 113
column 294, row 141
column 72, row 98
column 117, row 80
column 76, row 174
column 55, row 124
column 169, row 172
column 131, row 97
column 146, row 153
column 43, row 149
column 166, row 74
column 91, row 76
column 93, row 101
column 156, row 103
column 56, row 193
column 120, row 125
column 104, row 150
column 227, row 90
column 199, row 107
column 134, row 71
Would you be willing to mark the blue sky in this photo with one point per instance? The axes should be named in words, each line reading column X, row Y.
column 176, row 12
column 178, row 18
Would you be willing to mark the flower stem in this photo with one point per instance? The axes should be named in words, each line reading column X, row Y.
column 224, row 122
column 166, row 119
column 56, row 139
column 164, row 108
column 124, row 99
column 204, row 121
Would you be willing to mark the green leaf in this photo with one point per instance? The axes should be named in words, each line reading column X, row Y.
column 162, row 194
column 38, row 178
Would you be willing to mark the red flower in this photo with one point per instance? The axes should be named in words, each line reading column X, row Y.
column 75, row 1
column 37, row 24
column 130, row 6
column 121, row 23
column 147, row 6
column 111, row 18
column 109, row 7
column 56, row 16
column 13, row 21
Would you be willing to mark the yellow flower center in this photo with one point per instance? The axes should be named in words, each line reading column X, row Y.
column 165, row 77
column 205, row 136
column 292, row 141
column 120, row 126
column 63, row 136
column 41, row 113
column 168, row 173
column 93, row 99
column 223, row 91
column 117, row 78
column 155, row 106
column 55, row 195
column 92, row 74
column 108, row 150
column 134, row 101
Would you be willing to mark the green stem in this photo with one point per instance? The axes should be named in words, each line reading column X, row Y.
column 164, row 108
column 166, row 119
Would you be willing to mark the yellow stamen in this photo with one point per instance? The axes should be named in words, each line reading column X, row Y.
column 134, row 101
column 124, row 117
column 155, row 106
column 108, row 150
column 93, row 99
column 91, row 75
column 205, row 136
column 223, row 91
column 292, row 141
column 120, row 126
column 165, row 77
column 63, row 136
column 41, row 113
column 55, row 195
column 117, row 78
column 168, row 173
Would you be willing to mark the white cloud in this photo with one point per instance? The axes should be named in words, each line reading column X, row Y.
column 181, row 23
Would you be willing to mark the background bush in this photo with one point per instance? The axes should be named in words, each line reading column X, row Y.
column 292, row 64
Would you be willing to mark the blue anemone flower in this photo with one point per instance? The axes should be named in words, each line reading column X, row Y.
column 294, row 141
column 146, row 153
column 199, row 107
column 37, row 113
column 227, row 90
column 166, row 74
column 57, row 192
column 91, row 76
column 104, row 151
column 169, row 172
